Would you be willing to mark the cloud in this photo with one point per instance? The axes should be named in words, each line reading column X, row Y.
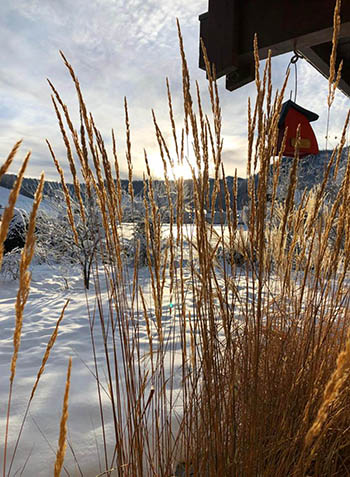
column 235, row 158
column 117, row 48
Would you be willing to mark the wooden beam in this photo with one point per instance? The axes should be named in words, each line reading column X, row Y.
column 242, row 75
column 228, row 30
column 280, row 24
column 219, row 32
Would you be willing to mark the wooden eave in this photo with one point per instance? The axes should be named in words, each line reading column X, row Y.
column 228, row 29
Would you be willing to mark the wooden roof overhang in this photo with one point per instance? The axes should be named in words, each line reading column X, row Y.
column 306, row 26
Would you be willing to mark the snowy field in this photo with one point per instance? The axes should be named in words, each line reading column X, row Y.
column 40, row 436
column 47, row 297
column 39, row 440
column 23, row 202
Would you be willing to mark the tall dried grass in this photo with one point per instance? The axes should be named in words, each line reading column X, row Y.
column 263, row 375
column 62, row 444
column 259, row 386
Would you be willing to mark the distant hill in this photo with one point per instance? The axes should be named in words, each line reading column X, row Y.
column 29, row 186
column 22, row 202
column 310, row 173
column 25, row 202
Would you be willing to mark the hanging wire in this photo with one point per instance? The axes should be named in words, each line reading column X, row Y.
column 293, row 61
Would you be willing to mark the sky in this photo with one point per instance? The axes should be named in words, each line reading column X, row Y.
column 122, row 48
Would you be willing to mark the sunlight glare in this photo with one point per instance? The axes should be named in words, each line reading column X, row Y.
column 182, row 171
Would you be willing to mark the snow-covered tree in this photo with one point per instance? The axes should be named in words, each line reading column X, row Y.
column 56, row 241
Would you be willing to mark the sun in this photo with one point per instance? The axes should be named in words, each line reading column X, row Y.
column 182, row 171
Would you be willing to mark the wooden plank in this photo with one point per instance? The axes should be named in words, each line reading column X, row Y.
column 243, row 74
column 278, row 23
column 219, row 32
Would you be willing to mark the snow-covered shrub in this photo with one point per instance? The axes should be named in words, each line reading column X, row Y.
column 56, row 242
column 13, row 244
column 240, row 253
column 10, row 265
column 136, row 243
column 225, row 254
column 292, row 239
column 134, row 211
column 139, row 240
column 17, row 231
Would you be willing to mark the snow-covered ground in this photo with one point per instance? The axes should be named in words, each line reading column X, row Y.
column 24, row 202
column 46, row 300
column 47, row 297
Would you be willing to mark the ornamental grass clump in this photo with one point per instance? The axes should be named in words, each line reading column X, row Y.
column 259, row 383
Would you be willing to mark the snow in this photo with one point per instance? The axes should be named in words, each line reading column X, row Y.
column 47, row 297
column 46, row 300
column 24, row 202
column 21, row 203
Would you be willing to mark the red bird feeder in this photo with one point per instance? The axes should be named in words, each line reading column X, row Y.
column 291, row 116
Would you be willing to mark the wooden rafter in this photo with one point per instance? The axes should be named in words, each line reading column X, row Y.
column 228, row 29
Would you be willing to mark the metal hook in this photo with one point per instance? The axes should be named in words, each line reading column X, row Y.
column 296, row 57
column 293, row 61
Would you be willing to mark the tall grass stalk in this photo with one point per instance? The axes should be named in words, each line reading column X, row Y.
column 22, row 296
column 24, row 284
column 62, row 444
